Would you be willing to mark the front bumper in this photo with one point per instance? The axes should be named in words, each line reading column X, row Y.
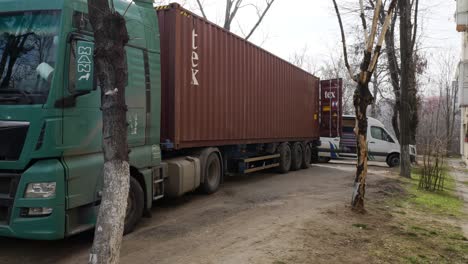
column 48, row 227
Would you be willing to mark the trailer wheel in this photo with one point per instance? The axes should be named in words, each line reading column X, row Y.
column 135, row 204
column 307, row 156
column 212, row 174
column 285, row 157
column 297, row 156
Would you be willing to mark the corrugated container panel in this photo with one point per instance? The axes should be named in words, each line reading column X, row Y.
column 331, row 107
column 218, row 89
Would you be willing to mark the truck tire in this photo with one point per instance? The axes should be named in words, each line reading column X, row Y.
column 285, row 157
column 307, row 156
column 212, row 174
column 135, row 206
column 393, row 160
column 296, row 156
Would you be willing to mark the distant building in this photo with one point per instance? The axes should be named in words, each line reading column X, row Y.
column 462, row 26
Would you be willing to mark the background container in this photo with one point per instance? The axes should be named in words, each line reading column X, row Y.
column 219, row 89
column 331, row 108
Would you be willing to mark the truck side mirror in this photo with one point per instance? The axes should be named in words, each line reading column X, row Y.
column 84, row 66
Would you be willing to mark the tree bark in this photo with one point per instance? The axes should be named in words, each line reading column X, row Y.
column 362, row 99
column 375, row 90
column 111, row 36
column 394, row 74
column 362, row 96
column 406, row 78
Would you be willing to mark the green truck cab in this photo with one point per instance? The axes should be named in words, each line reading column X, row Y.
column 50, row 118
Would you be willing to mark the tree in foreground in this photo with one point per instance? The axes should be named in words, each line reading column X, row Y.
column 362, row 95
column 110, row 38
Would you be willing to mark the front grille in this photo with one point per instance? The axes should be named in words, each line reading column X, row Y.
column 8, row 187
column 12, row 137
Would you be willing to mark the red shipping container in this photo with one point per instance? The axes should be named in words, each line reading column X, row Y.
column 219, row 89
column 331, row 109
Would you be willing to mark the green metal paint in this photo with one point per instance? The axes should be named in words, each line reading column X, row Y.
column 70, row 149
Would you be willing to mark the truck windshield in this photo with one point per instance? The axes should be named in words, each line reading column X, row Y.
column 28, row 47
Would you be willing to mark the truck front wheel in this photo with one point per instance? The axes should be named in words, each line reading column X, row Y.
column 212, row 174
column 135, row 204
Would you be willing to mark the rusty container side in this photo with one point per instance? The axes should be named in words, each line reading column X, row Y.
column 331, row 108
column 218, row 89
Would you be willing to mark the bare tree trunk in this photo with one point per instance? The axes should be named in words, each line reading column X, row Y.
column 362, row 99
column 406, row 79
column 110, row 36
column 362, row 96
column 375, row 90
column 394, row 74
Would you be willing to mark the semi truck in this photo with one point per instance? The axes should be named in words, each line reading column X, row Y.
column 203, row 104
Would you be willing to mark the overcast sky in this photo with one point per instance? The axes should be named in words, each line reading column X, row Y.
column 292, row 25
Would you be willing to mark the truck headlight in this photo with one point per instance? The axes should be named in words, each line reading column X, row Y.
column 40, row 190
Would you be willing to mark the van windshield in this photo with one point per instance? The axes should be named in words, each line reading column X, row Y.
column 28, row 51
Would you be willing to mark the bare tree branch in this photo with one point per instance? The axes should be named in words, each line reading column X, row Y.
column 202, row 10
column 415, row 25
column 378, row 48
column 371, row 39
column 363, row 20
column 260, row 19
column 343, row 40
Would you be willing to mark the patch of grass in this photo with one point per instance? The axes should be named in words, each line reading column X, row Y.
column 418, row 228
column 424, row 233
column 457, row 236
column 279, row 262
column 441, row 202
column 411, row 234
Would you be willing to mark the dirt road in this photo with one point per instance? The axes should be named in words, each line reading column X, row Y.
column 252, row 219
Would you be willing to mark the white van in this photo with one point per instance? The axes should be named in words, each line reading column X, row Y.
column 382, row 145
